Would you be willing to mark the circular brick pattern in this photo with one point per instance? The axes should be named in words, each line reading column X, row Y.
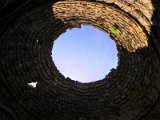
column 126, row 93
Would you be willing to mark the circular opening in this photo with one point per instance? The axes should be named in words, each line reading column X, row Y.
column 85, row 55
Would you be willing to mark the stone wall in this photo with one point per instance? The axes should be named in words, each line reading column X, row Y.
column 27, row 34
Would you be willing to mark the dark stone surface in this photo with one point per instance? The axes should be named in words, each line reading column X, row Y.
column 129, row 92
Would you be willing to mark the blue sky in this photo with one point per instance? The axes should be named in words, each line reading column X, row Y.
column 84, row 54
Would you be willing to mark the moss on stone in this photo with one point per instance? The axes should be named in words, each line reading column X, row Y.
column 114, row 30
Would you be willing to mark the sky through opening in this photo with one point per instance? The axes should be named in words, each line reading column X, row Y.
column 84, row 54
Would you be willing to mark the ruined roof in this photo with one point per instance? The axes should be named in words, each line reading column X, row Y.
column 129, row 92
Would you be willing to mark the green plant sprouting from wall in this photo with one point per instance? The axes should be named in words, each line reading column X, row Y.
column 114, row 30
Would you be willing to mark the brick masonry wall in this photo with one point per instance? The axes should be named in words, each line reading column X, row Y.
column 129, row 92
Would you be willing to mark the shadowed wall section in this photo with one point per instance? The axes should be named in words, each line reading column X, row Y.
column 129, row 92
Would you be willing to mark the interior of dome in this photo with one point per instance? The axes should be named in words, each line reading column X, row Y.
column 32, row 87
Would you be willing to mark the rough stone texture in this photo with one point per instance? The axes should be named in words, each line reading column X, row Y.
column 129, row 92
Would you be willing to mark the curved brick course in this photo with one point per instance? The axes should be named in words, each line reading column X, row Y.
column 129, row 92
